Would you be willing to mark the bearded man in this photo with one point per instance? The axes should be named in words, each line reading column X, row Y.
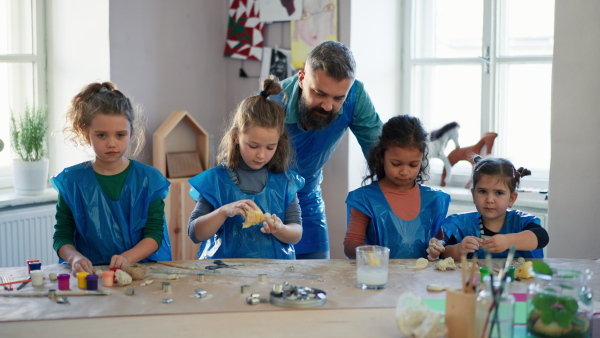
column 321, row 102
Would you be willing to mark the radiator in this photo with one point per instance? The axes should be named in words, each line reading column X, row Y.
column 26, row 233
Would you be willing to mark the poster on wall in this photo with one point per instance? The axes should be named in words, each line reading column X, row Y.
column 245, row 31
column 276, row 61
column 317, row 24
column 280, row 10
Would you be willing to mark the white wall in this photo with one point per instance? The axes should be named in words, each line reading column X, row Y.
column 168, row 55
column 78, row 54
column 574, row 187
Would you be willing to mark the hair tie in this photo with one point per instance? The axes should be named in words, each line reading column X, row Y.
column 102, row 90
column 264, row 94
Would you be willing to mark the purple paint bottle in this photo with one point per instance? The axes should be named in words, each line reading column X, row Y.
column 92, row 282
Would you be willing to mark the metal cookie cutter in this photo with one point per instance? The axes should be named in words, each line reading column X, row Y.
column 254, row 299
column 200, row 293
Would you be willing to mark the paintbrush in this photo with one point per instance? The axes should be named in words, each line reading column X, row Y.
column 463, row 268
column 19, row 281
column 58, row 293
column 472, row 274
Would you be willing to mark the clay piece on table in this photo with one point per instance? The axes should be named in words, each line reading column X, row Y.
column 446, row 264
column 522, row 272
column 469, row 265
column 437, row 287
column 123, row 278
column 415, row 319
column 421, row 263
column 148, row 282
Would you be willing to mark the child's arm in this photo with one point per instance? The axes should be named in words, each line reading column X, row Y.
column 467, row 245
column 63, row 237
column 524, row 241
column 207, row 225
column 435, row 249
column 286, row 233
column 143, row 249
column 356, row 232
column 79, row 263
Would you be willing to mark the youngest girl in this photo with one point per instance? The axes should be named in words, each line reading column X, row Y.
column 395, row 210
column 492, row 226
column 252, row 177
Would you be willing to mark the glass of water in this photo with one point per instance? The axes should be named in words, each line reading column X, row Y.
column 372, row 266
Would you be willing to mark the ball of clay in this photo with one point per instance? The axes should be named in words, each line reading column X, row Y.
column 123, row 278
column 445, row 264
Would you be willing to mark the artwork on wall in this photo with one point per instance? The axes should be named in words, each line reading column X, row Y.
column 317, row 24
column 276, row 61
column 280, row 10
column 245, row 31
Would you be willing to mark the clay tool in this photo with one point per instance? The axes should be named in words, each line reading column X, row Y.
column 23, row 284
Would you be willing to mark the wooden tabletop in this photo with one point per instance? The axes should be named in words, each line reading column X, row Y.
column 348, row 311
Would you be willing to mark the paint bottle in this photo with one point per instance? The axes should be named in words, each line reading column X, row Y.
column 108, row 278
column 114, row 270
column 91, row 282
column 37, row 277
column 483, row 271
column 35, row 266
column 64, row 281
column 81, row 282
column 31, row 261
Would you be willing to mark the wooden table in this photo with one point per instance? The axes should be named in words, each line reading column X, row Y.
column 349, row 311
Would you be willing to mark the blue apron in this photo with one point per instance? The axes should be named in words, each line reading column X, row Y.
column 231, row 240
column 467, row 224
column 406, row 239
column 105, row 227
column 313, row 149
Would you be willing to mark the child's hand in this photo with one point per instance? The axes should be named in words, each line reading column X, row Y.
column 469, row 244
column 81, row 264
column 496, row 243
column 239, row 208
column 118, row 261
column 272, row 224
column 435, row 249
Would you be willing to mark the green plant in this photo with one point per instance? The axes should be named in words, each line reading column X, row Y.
column 28, row 133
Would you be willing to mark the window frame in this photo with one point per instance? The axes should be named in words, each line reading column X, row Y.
column 38, row 59
column 490, row 85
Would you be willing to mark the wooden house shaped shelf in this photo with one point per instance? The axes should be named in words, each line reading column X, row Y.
column 180, row 148
column 180, row 151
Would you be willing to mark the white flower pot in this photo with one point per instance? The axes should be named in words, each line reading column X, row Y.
column 30, row 178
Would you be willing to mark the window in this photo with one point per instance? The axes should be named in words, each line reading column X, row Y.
column 486, row 65
column 22, row 68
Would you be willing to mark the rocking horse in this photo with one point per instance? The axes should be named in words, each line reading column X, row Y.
column 438, row 140
column 483, row 147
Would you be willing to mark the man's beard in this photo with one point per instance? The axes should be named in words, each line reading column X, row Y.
column 310, row 118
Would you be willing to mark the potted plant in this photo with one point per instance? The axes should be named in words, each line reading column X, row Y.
column 28, row 140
